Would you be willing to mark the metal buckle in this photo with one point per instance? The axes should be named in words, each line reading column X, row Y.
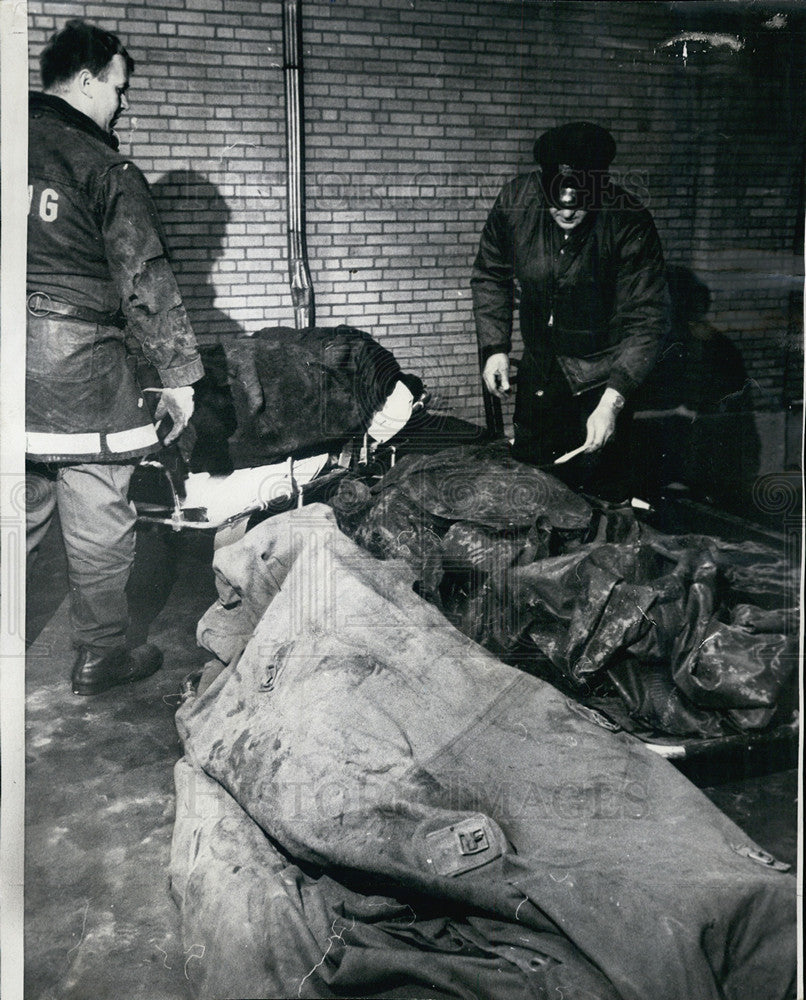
column 593, row 715
column 36, row 309
column 463, row 846
column 761, row 857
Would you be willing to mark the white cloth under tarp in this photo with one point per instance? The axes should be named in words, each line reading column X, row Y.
column 225, row 496
column 393, row 416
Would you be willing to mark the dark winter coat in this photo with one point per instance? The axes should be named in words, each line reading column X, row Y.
column 597, row 293
column 95, row 248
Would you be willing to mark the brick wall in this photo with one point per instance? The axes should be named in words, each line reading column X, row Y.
column 416, row 111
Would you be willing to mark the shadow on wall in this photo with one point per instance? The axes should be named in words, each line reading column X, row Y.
column 195, row 216
column 695, row 424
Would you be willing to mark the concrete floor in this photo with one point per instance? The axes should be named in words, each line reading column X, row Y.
column 100, row 920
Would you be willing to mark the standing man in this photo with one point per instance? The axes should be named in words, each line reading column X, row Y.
column 588, row 264
column 97, row 274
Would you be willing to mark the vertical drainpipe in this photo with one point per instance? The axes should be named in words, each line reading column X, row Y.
column 298, row 271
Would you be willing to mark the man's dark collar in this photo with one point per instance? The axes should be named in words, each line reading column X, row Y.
column 39, row 101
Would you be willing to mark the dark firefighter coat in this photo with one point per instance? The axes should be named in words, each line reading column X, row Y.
column 98, row 274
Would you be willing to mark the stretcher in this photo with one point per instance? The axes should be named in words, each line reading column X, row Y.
column 226, row 503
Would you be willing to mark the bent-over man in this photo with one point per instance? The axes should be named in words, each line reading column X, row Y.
column 586, row 259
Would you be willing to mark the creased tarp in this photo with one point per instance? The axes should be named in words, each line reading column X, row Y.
column 484, row 485
column 255, row 924
column 467, row 508
column 299, row 389
column 691, row 632
column 356, row 721
column 277, row 393
column 641, row 607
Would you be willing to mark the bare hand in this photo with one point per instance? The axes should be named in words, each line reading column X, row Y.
column 601, row 424
column 178, row 405
column 496, row 375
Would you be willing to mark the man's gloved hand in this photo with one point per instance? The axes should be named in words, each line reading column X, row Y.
column 176, row 403
column 602, row 422
column 496, row 374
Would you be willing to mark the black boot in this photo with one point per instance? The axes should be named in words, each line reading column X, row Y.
column 97, row 670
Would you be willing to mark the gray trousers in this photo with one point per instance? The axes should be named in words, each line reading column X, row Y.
column 98, row 528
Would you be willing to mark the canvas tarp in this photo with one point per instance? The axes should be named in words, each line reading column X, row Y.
column 394, row 767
